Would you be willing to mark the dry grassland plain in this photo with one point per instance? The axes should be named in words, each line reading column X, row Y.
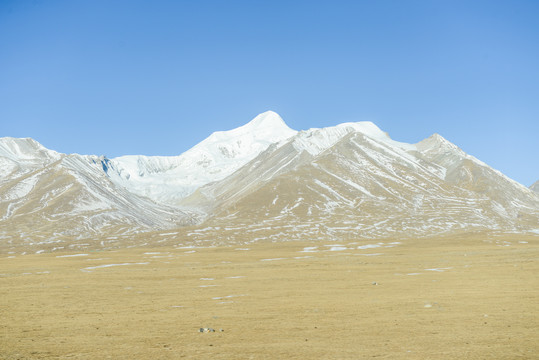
column 473, row 297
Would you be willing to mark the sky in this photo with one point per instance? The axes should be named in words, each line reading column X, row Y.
column 156, row 77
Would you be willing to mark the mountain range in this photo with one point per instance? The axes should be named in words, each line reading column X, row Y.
column 261, row 181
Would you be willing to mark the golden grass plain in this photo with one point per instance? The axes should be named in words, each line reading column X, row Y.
column 467, row 297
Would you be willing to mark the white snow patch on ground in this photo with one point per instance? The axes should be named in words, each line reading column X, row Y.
column 110, row 265
column 97, row 259
column 368, row 246
column 338, row 248
column 227, row 297
column 439, row 269
column 273, row 259
column 75, row 255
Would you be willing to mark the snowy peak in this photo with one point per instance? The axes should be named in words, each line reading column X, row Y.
column 367, row 128
column 268, row 122
column 267, row 127
column 22, row 156
column 169, row 179
column 315, row 140
column 24, row 148
column 437, row 142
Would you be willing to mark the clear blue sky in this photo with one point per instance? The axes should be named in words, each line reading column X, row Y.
column 156, row 77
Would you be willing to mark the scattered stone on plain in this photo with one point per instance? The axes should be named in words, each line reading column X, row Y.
column 206, row 330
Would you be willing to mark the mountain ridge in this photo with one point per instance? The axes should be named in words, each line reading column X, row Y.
column 262, row 180
column 391, row 194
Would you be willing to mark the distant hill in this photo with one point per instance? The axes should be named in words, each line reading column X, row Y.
column 535, row 186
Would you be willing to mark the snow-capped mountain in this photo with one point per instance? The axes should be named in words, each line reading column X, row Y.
column 48, row 198
column 21, row 156
column 352, row 180
column 168, row 179
column 260, row 181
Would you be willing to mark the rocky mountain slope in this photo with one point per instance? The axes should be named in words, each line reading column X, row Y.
column 353, row 181
column 48, row 198
column 258, row 182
